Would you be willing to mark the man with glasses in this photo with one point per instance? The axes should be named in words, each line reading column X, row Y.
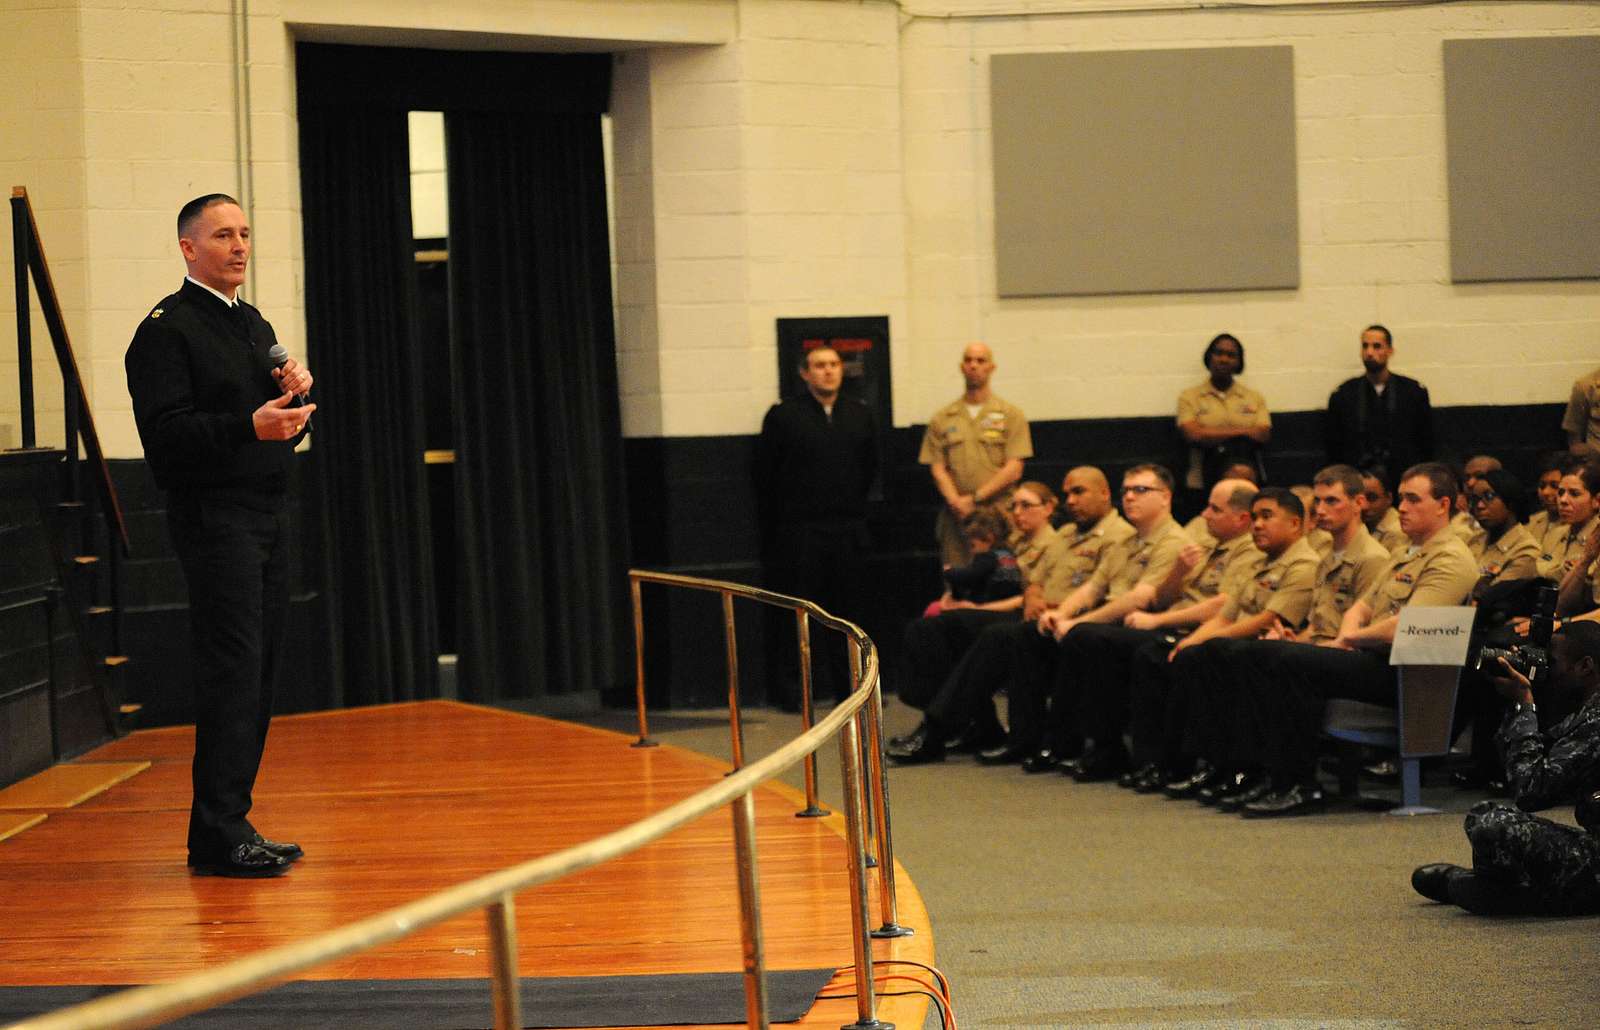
column 974, row 448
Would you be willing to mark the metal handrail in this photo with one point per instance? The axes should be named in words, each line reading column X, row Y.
column 495, row 893
column 28, row 254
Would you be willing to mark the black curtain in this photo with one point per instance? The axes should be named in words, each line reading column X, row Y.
column 376, row 563
column 541, row 522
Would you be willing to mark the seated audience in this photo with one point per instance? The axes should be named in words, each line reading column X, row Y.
column 1195, row 528
column 1506, row 551
column 1318, row 539
column 992, row 576
column 1546, row 521
column 1523, row 864
column 1091, row 675
column 1578, row 504
column 938, row 656
column 1382, row 521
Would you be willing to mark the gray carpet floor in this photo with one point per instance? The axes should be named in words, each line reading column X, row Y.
column 1058, row 904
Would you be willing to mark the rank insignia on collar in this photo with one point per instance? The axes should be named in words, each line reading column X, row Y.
column 156, row 313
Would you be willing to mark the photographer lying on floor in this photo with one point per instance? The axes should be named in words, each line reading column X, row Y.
column 1523, row 864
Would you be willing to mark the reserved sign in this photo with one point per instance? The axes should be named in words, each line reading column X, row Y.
column 1432, row 636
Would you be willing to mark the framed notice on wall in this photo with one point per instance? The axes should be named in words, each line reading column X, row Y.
column 863, row 346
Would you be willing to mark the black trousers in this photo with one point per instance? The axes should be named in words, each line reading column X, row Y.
column 821, row 562
column 995, row 660
column 235, row 560
column 933, row 647
column 1094, row 676
column 1289, row 685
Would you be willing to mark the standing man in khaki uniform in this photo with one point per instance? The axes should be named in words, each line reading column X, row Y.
column 1582, row 419
column 974, row 448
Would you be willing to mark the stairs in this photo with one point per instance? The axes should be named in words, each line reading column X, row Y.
column 62, row 680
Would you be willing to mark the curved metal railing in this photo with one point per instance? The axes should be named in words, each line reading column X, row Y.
column 858, row 722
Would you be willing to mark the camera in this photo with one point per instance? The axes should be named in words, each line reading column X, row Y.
column 1532, row 659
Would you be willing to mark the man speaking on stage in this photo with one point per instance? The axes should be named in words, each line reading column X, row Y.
column 219, row 415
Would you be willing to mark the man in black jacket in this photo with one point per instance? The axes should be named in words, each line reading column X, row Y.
column 219, row 424
column 815, row 461
column 1379, row 419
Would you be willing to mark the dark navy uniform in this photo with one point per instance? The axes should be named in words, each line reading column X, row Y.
column 197, row 371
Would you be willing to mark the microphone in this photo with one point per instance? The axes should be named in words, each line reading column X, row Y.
column 279, row 356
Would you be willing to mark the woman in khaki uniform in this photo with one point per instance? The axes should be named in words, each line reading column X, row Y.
column 1507, row 551
column 1221, row 419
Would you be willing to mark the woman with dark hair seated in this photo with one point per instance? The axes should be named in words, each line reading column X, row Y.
column 1508, row 552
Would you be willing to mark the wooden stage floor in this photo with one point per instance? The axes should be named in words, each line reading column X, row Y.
column 397, row 801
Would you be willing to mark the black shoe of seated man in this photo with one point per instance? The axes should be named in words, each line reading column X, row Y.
column 1188, row 786
column 247, row 861
column 1484, row 896
column 1041, row 761
column 1384, row 771
column 1226, row 785
column 1131, row 778
column 284, row 849
column 904, row 740
column 1005, row 754
column 1152, row 780
column 1300, row 799
column 1100, row 762
column 923, row 749
column 1479, row 779
column 1433, row 881
column 1233, row 802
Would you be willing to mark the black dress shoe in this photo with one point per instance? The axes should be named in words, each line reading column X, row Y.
column 1433, row 881
column 982, row 734
column 1224, row 786
column 1005, row 754
column 1100, row 763
column 1385, row 771
column 905, row 740
column 247, row 861
column 1189, row 786
column 283, row 849
column 1233, row 802
column 922, row 749
column 1152, row 780
column 1040, row 762
column 1131, row 778
column 1300, row 799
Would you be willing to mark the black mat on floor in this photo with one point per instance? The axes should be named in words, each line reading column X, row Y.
column 564, row 1001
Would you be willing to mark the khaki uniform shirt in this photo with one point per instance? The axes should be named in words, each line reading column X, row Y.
column 1389, row 534
column 1140, row 560
column 1342, row 577
column 1514, row 556
column 1440, row 573
column 1545, row 529
column 1082, row 552
column 1237, row 407
column 1281, row 585
column 973, row 449
column 1320, row 540
column 1200, row 533
column 1206, row 580
column 1466, row 527
column 1566, row 549
column 1582, row 419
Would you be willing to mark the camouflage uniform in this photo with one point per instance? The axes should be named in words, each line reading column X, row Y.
column 1559, row 863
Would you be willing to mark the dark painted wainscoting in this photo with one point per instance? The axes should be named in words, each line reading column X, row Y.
column 691, row 511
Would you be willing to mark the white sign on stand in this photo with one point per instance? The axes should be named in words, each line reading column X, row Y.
column 1432, row 636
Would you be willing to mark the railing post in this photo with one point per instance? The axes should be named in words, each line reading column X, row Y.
column 638, row 662
column 869, row 788
column 755, row 955
column 735, row 725
column 70, row 413
column 802, row 620
column 850, row 767
column 888, row 902
column 21, row 231
column 502, row 917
